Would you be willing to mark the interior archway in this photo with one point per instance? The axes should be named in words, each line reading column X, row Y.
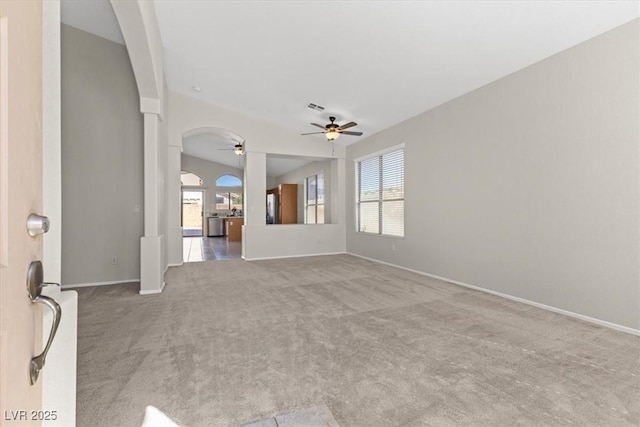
column 208, row 153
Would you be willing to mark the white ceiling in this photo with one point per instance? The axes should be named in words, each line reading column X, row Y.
column 374, row 62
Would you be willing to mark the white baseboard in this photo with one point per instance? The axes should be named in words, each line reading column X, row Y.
column 170, row 265
column 294, row 256
column 173, row 265
column 600, row 322
column 87, row 285
column 153, row 291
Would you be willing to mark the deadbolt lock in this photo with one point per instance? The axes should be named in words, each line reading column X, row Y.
column 37, row 224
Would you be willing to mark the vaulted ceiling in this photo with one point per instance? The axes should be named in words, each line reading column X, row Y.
column 374, row 62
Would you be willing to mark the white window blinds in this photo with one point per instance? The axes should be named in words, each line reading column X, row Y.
column 314, row 199
column 380, row 198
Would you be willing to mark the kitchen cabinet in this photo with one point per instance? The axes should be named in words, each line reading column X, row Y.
column 288, row 204
column 234, row 228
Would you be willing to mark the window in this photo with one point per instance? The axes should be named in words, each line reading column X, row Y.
column 314, row 199
column 227, row 197
column 228, row 201
column 188, row 178
column 228, row 181
column 380, row 194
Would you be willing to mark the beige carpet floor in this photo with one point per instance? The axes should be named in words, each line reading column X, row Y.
column 230, row 342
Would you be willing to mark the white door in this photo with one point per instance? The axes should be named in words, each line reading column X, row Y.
column 20, row 195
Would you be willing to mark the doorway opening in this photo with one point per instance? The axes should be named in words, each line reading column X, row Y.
column 192, row 213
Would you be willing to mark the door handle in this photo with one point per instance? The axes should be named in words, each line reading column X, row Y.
column 37, row 363
column 34, row 285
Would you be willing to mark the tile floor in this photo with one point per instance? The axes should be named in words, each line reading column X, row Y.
column 196, row 249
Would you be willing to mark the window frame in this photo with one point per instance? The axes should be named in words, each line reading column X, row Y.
column 226, row 191
column 357, row 167
column 315, row 204
column 186, row 172
column 227, row 195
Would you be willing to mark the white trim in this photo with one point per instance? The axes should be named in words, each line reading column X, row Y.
column 153, row 291
column 150, row 106
column 171, row 265
column 589, row 319
column 293, row 256
column 379, row 153
column 376, row 235
column 87, row 285
column 193, row 187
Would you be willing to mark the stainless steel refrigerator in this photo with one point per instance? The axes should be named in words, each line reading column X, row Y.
column 272, row 208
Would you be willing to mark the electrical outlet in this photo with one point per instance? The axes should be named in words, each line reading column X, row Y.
column 114, row 260
column 393, row 247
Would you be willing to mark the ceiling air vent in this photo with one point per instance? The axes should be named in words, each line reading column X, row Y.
column 315, row 107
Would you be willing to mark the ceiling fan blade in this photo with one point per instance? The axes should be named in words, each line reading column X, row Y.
column 311, row 133
column 351, row 133
column 320, row 126
column 347, row 125
column 224, row 149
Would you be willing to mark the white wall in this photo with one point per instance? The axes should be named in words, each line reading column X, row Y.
column 261, row 138
column 102, row 161
column 163, row 167
column 528, row 186
column 298, row 176
column 51, row 141
column 271, row 182
column 293, row 240
column 210, row 172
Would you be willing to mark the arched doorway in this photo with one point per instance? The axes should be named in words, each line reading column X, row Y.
column 212, row 175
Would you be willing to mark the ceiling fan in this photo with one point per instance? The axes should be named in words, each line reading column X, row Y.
column 333, row 130
column 238, row 149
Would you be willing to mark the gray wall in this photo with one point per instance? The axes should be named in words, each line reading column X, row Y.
column 528, row 186
column 297, row 176
column 102, row 161
column 210, row 172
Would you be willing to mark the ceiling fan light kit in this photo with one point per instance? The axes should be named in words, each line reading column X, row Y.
column 332, row 130
column 331, row 135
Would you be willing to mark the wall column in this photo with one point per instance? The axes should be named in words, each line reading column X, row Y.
column 151, row 244
column 255, row 193
column 141, row 33
column 174, row 228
